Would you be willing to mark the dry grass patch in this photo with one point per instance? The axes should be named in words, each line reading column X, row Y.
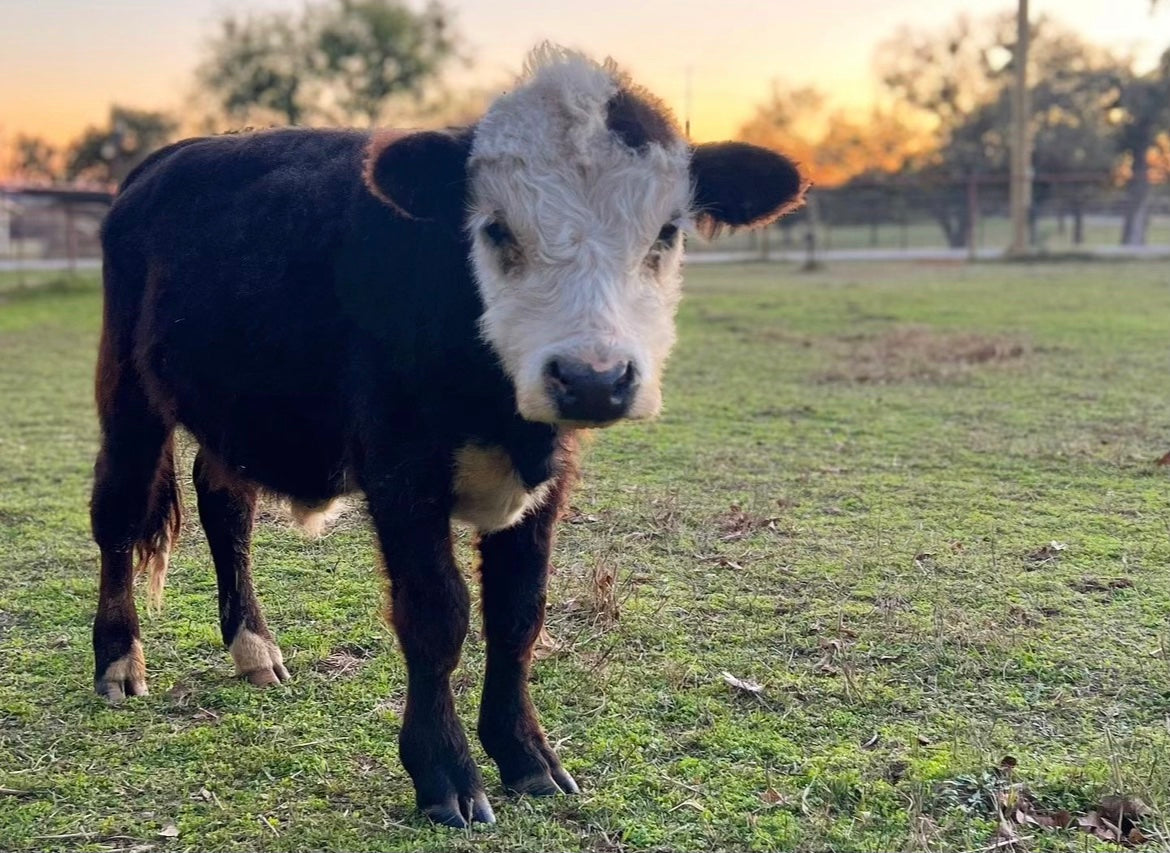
column 919, row 353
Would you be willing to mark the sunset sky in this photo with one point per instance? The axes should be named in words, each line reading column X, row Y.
column 64, row 61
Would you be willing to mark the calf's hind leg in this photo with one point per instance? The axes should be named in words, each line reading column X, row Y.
column 227, row 507
column 135, row 516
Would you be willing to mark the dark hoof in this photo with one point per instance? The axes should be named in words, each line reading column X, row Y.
column 544, row 784
column 463, row 813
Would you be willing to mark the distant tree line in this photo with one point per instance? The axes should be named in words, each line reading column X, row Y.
column 1101, row 128
column 1097, row 124
column 335, row 62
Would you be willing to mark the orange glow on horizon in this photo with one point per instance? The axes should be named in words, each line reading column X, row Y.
column 64, row 63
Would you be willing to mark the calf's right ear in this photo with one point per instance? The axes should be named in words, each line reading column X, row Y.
column 422, row 175
column 740, row 185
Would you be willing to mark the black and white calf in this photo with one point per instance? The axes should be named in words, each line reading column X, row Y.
column 424, row 318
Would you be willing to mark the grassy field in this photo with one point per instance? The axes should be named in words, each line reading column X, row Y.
column 915, row 506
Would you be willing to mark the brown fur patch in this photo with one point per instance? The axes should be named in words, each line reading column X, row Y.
column 489, row 494
column 165, row 521
column 919, row 353
column 639, row 119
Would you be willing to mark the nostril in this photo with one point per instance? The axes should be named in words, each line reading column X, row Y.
column 553, row 371
column 627, row 378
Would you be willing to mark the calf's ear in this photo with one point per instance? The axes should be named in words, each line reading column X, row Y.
column 422, row 175
column 738, row 185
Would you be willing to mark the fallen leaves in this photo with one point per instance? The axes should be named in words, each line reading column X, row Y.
column 1017, row 810
column 735, row 523
column 1116, row 819
column 1163, row 461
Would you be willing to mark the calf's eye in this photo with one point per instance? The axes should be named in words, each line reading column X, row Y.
column 666, row 235
column 498, row 234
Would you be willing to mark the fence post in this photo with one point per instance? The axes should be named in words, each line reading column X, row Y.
column 70, row 238
column 972, row 215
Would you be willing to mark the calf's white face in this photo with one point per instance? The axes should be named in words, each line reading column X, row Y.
column 576, row 190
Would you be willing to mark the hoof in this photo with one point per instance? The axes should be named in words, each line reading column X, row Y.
column 124, row 677
column 258, row 659
column 545, row 784
column 461, row 813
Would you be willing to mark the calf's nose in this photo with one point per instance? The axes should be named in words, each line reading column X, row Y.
column 583, row 393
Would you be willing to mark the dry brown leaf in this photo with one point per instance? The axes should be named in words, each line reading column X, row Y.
column 752, row 687
column 1163, row 460
column 546, row 645
column 1046, row 553
column 772, row 797
column 575, row 516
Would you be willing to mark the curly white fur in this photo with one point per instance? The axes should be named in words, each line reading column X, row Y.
column 586, row 210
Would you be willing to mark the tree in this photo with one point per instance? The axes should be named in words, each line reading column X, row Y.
column 371, row 50
column 958, row 78
column 832, row 147
column 338, row 61
column 257, row 64
column 35, row 160
column 107, row 154
column 1140, row 112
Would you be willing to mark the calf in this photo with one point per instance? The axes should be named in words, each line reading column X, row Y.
column 424, row 318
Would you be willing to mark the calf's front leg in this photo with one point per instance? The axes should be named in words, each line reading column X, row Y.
column 429, row 610
column 514, row 576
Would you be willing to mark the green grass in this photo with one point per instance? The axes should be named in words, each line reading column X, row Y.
column 899, row 442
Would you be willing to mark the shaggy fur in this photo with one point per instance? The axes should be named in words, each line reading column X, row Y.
column 330, row 312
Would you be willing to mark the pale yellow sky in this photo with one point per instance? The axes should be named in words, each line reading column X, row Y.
column 62, row 62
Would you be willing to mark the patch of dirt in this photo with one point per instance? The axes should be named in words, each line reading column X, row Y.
column 919, row 353
column 1094, row 584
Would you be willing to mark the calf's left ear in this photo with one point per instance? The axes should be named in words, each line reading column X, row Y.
column 422, row 175
column 737, row 185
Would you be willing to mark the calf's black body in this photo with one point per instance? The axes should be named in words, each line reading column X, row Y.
column 316, row 341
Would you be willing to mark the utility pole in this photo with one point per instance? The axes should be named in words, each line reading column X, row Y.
column 1021, row 177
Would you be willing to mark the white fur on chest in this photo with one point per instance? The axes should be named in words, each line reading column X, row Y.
column 489, row 494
